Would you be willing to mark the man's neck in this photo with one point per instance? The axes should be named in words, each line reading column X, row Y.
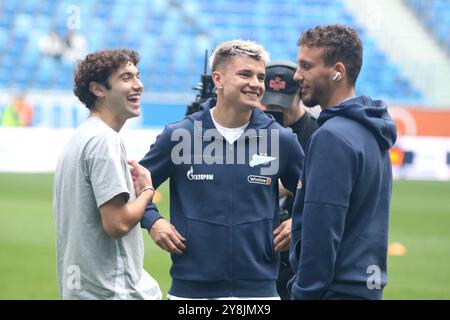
column 109, row 118
column 339, row 96
column 229, row 117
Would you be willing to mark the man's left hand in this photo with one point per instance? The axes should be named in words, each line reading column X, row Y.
column 282, row 236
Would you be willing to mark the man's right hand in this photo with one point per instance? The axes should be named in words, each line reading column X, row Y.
column 141, row 176
column 167, row 237
column 282, row 191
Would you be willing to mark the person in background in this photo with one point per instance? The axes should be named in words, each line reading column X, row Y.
column 52, row 45
column 74, row 46
column 282, row 99
column 19, row 113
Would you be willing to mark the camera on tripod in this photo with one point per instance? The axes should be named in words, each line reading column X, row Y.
column 205, row 87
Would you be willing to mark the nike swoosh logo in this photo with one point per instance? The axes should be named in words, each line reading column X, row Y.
column 257, row 160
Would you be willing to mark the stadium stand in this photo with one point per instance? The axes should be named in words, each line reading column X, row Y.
column 171, row 36
column 435, row 14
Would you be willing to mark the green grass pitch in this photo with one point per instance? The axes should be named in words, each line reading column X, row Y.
column 420, row 219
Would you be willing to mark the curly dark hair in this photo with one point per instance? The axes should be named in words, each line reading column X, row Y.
column 98, row 66
column 341, row 43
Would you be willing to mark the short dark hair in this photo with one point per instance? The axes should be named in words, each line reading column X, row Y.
column 341, row 44
column 98, row 66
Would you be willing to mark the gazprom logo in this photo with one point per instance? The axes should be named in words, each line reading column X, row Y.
column 259, row 180
column 191, row 176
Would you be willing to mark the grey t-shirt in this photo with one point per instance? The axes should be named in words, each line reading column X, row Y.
column 92, row 170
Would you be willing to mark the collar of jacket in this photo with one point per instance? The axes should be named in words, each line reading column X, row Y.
column 258, row 119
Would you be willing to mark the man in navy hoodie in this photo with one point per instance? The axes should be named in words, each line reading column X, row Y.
column 341, row 210
column 224, row 163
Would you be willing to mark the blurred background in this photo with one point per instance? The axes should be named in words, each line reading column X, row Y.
column 406, row 63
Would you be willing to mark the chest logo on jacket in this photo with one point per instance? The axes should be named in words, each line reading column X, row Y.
column 208, row 146
column 258, row 159
column 259, row 180
column 199, row 176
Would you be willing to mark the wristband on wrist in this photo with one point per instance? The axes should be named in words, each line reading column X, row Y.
column 146, row 188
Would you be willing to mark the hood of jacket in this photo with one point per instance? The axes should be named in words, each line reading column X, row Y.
column 372, row 114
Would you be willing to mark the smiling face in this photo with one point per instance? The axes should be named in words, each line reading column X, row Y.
column 313, row 76
column 240, row 80
column 124, row 94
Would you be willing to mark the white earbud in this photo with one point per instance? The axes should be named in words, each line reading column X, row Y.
column 336, row 76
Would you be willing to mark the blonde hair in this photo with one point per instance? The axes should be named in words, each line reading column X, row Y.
column 237, row 48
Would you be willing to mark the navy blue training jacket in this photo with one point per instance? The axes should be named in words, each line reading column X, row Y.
column 227, row 212
column 341, row 210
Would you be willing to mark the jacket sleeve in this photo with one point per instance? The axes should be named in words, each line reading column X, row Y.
column 294, row 164
column 330, row 170
column 158, row 162
column 150, row 216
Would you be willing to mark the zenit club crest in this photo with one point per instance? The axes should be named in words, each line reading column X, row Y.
column 258, row 159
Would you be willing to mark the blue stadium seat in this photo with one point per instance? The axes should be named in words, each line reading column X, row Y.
column 10, row 7
column 436, row 16
column 30, row 6
column 171, row 37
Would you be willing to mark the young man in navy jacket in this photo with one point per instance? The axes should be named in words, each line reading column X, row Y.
column 341, row 210
column 224, row 163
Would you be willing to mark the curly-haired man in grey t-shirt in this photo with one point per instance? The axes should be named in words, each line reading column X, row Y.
column 98, row 200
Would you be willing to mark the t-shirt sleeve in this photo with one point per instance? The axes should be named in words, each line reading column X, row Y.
column 105, row 168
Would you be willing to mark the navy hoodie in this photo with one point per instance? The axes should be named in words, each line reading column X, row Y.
column 227, row 210
column 341, row 210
